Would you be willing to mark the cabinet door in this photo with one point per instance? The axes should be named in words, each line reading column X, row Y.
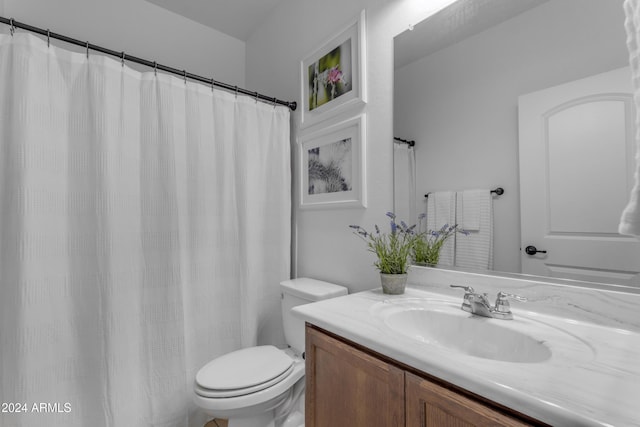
column 347, row 387
column 430, row 405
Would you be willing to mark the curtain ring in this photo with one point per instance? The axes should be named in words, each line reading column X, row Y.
column 12, row 29
column 184, row 73
column 87, row 50
column 213, row 83
column 155, row 68
column 48, row 38
column 256, row 97
column 236, row 89
column 122, row 59
column 274, row 101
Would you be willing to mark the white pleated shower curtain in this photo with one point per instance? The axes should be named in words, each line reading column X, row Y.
column 630, row 219
column 404, row 182
column 144, row 228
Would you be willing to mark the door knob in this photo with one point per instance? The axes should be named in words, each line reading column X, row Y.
column 532, row 250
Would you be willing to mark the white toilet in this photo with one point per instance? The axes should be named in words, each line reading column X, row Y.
column 264, row 386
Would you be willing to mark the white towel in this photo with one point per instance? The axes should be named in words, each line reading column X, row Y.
column 471, row 202
column 476, row 249
column 441, row 210
column 630, row 221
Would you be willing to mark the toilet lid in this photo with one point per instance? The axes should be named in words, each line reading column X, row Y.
column 244, row 371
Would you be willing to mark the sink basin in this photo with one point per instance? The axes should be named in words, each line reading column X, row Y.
column 530, row 338
column 471, row 335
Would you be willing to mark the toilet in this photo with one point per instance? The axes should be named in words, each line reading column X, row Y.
column 263, row 386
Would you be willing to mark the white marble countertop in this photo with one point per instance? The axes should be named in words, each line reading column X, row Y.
column 592, row 379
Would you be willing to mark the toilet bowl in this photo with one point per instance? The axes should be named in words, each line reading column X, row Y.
column 263, row 386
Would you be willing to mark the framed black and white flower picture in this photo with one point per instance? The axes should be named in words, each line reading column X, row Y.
column 333, row 76
column 332, row 166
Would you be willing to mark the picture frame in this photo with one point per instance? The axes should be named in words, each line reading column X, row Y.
column 333, row 77
column 332, row 164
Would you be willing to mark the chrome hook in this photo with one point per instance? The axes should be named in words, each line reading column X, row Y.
column 12, row 29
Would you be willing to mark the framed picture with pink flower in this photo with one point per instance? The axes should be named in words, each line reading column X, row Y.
column 333, row 76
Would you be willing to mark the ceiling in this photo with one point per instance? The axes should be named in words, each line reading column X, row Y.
column 236, row 18
column 454, row 23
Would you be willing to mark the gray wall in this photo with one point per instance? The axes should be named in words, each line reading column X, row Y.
column 140, row 28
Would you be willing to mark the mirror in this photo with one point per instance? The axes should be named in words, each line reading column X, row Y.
column 458, row 76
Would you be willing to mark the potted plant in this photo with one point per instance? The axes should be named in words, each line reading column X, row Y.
column 392, row 251
column 426, row 249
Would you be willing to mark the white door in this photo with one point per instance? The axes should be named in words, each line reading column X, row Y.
column 577, row 147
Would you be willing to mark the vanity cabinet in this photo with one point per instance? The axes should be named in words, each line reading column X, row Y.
column 347, row 385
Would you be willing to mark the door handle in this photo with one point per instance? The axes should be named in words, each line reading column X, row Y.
column 532, row 250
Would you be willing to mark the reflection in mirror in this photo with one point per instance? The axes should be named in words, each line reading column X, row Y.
column 459, row 78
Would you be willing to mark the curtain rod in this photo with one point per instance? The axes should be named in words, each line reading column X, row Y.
column 410, row 143
column 124, row 57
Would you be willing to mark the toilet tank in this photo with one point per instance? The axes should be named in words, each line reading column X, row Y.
column 300, row 291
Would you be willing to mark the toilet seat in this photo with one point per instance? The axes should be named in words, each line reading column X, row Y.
column 243, row 372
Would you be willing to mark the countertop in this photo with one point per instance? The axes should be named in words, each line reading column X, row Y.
column 592, row 379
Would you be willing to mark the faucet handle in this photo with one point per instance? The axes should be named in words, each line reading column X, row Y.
column 467, row 289
column 502, row 305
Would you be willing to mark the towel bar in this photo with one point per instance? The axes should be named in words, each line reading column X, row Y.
column 499, row 192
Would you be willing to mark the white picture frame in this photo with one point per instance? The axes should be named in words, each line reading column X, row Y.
column 332, row 164
column 333, row 77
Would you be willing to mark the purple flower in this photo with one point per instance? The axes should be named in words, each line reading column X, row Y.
column 391, row 215
column 394, row 227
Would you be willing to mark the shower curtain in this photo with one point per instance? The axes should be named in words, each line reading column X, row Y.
column 404, row 182
column 144, row 228
column 630, row 219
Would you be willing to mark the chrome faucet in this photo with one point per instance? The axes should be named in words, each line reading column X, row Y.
column 480, row 305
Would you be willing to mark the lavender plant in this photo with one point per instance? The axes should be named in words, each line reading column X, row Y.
column 392, row 249
column 426, row 249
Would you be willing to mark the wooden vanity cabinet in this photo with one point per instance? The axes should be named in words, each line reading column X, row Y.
column 346, row 385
